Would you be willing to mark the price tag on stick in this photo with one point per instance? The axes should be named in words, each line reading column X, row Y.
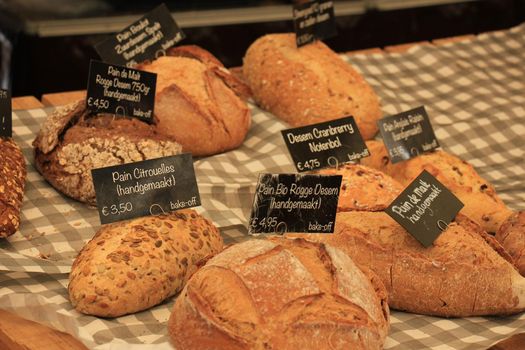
column 407, row 134
column 143, row 40
column 325, row 144
column 425, row 208
column 143, row 188
column 295, row 203
column 121, row 91
column 314, row 20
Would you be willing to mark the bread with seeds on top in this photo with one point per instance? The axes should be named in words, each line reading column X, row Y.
column 133, row 265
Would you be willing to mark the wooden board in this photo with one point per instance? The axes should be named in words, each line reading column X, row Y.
column 17, row 333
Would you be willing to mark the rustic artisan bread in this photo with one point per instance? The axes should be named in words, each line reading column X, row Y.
column 71, row 143
column 364, row 188
column 280, row 294
column 133, row 265
column 482, row 204
column 228, row 76
column 307, row 85
column 511, row 235
column 195, row 103
column 464, row 273
column 12, row 182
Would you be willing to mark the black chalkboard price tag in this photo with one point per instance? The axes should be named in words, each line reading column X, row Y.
column 121, row 91
column 6, row 118
column 314, row 20
column 144, row 188
column 425, row 208
column 326, row 144
column 407, row 134
column 142, row 40
column 295, row 203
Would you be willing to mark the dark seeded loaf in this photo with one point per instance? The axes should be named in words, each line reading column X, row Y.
column 71, row 143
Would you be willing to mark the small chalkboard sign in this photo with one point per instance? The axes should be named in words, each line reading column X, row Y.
column 295, row 203
column 143, row 188
column 326, row 144
column 121, row 91
column 407, row 134
column 145, row 39
column 314, row 20
column 425, row 208
column 6, row 118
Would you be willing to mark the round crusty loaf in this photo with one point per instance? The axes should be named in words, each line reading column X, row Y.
column 71, row 142
column 280, row 294
column 12, row 183
column 194, row 105
column 133, row 265
column 482, row 204
column 308, row 85
column 511, row 235
column 364, row 188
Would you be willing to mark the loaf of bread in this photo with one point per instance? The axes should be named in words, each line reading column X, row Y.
column 511, row 235
column 364, row 188
column 133, row 265
column 12, row 182
column 482, row 204
column 308, row 85
column 197, row 103
column 71, row 143
column 228, row 76
column 280, row 294
column 464, row 273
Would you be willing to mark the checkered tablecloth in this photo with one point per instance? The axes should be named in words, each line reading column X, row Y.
column 474, row 92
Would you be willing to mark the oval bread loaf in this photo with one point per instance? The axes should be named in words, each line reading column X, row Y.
column 133, row 265
column 482, row 204
column 308, row 85
column 464, row 273
column 12, row 183
column 280, row 294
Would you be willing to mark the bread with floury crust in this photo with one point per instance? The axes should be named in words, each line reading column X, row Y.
column 12, row 183
column 133, row 265
column 464, row 273
column 280, row 294
column 198, row 102
column 308, row 85
column 482, row 203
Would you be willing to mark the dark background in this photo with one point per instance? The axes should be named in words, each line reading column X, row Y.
column 52, row 64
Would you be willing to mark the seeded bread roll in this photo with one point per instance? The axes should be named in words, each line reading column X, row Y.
column 71, row 143
column 280, row 294
column 364, row 188
column 511, row 235
column 482, row 204
column 308, row 85
column 133, row 265
column 195, row 104
column 12, row 183
column 464, row 273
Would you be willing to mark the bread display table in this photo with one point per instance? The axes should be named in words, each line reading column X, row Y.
column 473, row 91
